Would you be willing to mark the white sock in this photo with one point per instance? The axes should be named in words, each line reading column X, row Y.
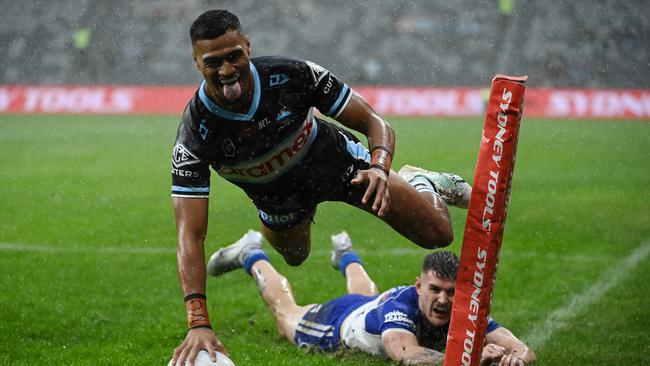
column 422, row 184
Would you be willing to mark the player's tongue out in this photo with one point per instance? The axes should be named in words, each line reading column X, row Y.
column 232, row 91
column 231, row 88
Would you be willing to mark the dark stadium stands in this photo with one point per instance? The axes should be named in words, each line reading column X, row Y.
column 586, row 43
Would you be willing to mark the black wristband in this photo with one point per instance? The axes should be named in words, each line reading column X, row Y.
column 195, row 296
column 207, row 326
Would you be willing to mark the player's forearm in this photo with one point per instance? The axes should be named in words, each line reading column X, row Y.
column 192, row 274
column 361, row 117
column 403, row 347
column 380, row 133
column 381, row 138
column 422, row 356
column 191, row 265
column 191, row 225
column 407, row 352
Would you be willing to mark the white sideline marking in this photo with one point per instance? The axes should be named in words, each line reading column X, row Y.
column 363, row 251
column 559, row 318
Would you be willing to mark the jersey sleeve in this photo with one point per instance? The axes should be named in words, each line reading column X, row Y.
column 399, row 313
column 492, row 325
column 330, row 94
column 190, row 172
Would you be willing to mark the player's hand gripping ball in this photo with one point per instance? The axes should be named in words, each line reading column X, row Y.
column 203, row 359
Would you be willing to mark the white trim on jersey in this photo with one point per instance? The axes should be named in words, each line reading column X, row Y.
column 189, row 196
column 345, row 104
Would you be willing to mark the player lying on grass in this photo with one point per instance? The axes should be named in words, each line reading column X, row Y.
column 405, row 323
column 254, row 122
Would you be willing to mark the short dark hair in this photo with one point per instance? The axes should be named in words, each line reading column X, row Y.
column 443, row 263
column 212, row 24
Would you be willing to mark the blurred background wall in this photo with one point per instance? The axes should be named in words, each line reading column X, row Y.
column 581, row 43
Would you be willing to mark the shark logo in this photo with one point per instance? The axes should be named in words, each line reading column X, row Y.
column 282, row 115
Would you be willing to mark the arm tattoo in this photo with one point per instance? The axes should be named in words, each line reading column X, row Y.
column 426, row 357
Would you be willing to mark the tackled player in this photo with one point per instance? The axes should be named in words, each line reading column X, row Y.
column 405, row 323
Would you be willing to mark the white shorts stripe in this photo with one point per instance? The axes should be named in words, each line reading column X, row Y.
column 312, row 332
column 318, row 326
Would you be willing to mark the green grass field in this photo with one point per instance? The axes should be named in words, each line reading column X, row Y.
column 87, row 243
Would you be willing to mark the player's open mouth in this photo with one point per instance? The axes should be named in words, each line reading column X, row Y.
column 441, row 310
column 229, row 80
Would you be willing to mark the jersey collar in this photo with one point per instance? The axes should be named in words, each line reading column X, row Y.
column 224, row 113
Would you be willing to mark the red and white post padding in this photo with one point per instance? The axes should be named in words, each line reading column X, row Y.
column 485, row 222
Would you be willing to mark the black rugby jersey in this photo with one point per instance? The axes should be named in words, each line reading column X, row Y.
column 272, row 136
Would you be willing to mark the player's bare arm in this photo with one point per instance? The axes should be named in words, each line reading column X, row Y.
column 191, row 225
column 514, row 348
column 404, row 347
column 359, row 116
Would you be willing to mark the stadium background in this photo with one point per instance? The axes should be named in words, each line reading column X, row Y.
column 86, row 230
column 435, row 42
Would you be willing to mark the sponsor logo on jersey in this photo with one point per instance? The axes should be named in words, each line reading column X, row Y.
column 397, row 316
column 278, row 219
column 328, row 85
column 318, row 72
column 185, row 173
column 228, row 147
column 181, row 156
column 277, row 80
column 267, row 167
column 263, row 123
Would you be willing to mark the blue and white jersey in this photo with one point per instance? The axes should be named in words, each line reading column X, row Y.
column 395, row 310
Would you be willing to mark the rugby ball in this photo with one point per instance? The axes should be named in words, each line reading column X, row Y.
column 203, row 359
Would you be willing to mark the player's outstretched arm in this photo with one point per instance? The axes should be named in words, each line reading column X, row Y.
column 403, row 347
column 191, row 225
column 359, row 116
column 516, row 352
